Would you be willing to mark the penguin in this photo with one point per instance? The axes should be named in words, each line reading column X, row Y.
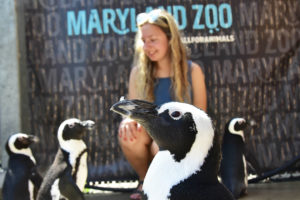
column 233, row 169
column 22, row 179
column 67, row 175
column 187, row 164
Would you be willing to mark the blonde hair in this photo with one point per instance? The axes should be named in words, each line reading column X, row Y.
column 145, row 76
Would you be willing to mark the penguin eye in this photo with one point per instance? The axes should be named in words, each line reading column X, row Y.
column 176, row 114
column 71, row 125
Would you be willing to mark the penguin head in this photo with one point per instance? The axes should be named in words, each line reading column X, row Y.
column 19, row 143
column 236, row 126
column 73, row 129
column 177, row 127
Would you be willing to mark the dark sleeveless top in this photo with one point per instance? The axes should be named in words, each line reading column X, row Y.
column 163, row 88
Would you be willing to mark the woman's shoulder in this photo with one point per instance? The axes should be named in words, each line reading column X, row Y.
column 196, row 68
column 132, row 93
column 134, row 71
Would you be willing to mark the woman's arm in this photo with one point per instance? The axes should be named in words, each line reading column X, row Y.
column 199, row 88
column 132, row 92
column 128, row 127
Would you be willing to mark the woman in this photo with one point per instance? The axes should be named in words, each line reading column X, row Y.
column 161, row 74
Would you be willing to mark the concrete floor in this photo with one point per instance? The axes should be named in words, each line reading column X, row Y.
column 261, row 191
column 274, row 191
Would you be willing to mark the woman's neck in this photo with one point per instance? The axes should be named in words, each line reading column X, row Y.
column 163, row 68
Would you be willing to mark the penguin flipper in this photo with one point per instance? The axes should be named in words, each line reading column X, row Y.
column 68, row 187
column 36, row 178
column 55, row 171
column 252, row 163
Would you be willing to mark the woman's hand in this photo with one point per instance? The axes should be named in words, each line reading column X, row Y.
column 129, row 129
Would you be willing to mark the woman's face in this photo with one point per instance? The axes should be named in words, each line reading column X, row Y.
column 155, row 42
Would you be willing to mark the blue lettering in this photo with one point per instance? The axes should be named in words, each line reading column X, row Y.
column 222, row 8
column 211, row 23
column 177, row 12
column 197, row 19
column 75, row 26
column 210, row 16
column 181, row 9
column 110, row 20
column 123, row 18
column 161, row 7
column 169, row 9
column 133, row 20
column 148, row 9
column 94, row 22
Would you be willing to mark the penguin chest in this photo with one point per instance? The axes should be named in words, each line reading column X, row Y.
column 163, row 174
column 80, row 171
column 31, row 190
column 245, row 172
column 79, row 174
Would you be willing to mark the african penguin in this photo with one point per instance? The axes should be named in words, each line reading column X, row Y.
column 67, row 175
column 187, row 163
column 233, row 169
column 22, row 179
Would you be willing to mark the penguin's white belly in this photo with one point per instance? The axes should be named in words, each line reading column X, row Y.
column 79, row 170
column 82, row 172
column 31, row 190
column 245, row 171
column 162, row 175
column 55, row 193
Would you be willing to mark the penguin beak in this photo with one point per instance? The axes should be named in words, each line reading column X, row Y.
column 135, row 109
column 28, row 140
column 89, row 124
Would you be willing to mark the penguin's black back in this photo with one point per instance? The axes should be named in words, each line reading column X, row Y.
column 54, row 172
column 21, row 169
column 232, row 150
column 232, row 166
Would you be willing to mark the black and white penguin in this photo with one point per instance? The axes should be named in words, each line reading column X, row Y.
column 187, row 164
column 22, row 179
column 67, row 175
column 233, row 169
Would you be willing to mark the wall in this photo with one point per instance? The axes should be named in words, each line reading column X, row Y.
column 13, row 103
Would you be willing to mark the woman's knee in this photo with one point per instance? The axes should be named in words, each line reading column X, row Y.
column 154, row 148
